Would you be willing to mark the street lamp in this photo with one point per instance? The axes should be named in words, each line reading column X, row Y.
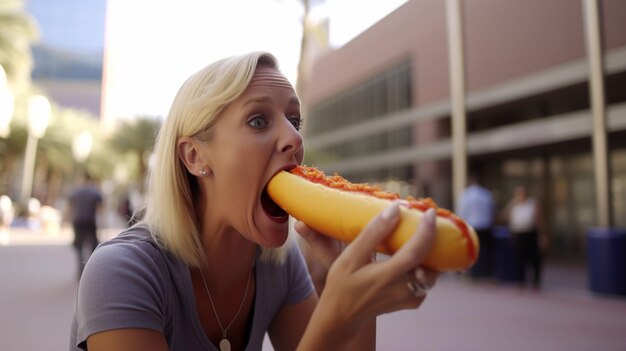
column 7, row 104
column 81, row 146
column 38, row 120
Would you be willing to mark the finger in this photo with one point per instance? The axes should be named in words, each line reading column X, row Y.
column 374, row 232
column 324, row 248
column 415, row 250
column 426, row 277
column 400, row 296
column 420, row 281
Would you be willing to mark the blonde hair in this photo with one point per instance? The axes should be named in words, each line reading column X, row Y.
column 169, row 211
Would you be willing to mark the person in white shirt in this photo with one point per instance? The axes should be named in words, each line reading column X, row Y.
column 524, row 219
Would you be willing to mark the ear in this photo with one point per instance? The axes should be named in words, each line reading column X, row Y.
column 189, row 152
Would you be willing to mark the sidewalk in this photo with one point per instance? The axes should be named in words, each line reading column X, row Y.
column 564, row 276
column 38, row 289
column 64, row 236
column 458, row 315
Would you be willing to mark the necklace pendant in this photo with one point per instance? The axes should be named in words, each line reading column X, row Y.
column 224, row 345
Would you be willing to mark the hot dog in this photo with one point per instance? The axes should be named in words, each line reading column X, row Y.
column 335, row 207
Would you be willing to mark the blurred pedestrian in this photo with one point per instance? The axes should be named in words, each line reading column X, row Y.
column 477, row 207
column 84, row 205
column 7, row 212
column 125, row 210
column 523, row 214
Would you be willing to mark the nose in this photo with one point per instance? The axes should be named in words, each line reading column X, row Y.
column 290, row 140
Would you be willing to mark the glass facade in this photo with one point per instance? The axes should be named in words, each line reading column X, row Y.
column 385, row 94
column 564, row 184
column 527, row 103
column 559, row 174
column 69, row 55
column 379, row 97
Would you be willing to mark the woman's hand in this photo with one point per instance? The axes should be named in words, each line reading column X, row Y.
column 357, row 289
column 319, row 252
column 324, row 248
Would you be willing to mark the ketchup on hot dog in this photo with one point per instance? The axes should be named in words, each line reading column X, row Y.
column 336, row 181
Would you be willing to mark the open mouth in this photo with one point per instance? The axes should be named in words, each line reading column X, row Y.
column 273, row 211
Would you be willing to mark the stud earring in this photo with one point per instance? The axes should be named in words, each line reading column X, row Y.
column 204, row 173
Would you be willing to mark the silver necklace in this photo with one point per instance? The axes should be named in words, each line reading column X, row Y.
column 225, row 343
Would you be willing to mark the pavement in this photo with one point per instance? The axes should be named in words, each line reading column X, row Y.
column 38, row 289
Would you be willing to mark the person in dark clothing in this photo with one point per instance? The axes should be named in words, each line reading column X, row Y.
column 125, row 210
column 84, row 205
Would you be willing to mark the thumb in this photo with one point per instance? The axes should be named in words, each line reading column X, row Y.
column 324, row 248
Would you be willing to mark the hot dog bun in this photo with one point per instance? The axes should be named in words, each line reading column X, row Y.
column 340, row 209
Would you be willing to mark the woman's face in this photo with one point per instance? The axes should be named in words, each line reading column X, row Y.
column 520, row 193
column 255, row 137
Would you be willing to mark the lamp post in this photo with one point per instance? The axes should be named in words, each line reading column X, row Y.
column 7, row 104
column 81, row 146
column 38, row 120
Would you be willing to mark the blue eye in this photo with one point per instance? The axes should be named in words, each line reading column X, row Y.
column 257, row 122
column 296, row 121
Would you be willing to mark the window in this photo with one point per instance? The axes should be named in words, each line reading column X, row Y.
column 378, row 97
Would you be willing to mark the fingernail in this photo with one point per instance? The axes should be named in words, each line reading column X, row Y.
column 402, row 202
column 390, row 212
column 430, row 216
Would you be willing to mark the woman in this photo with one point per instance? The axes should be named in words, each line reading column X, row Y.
column 524, row 218
column 210, row 265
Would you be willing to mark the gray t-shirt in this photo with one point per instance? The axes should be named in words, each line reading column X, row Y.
column 131, row 282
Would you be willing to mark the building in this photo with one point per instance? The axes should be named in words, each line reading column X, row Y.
column 69, row 55
column 379, row 107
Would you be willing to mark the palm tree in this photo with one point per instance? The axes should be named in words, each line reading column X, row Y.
column 304, row 44
column 314, row 38
column 17, row 31
column 135, row 138
column 56, row 164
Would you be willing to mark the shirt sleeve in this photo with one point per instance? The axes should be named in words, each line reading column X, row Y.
column 121, row 287
column 299, row 280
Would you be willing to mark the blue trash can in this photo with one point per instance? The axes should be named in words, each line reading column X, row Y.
column 504, row 259
column 606, row 257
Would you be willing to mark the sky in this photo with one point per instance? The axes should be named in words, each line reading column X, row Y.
column 153, row 46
